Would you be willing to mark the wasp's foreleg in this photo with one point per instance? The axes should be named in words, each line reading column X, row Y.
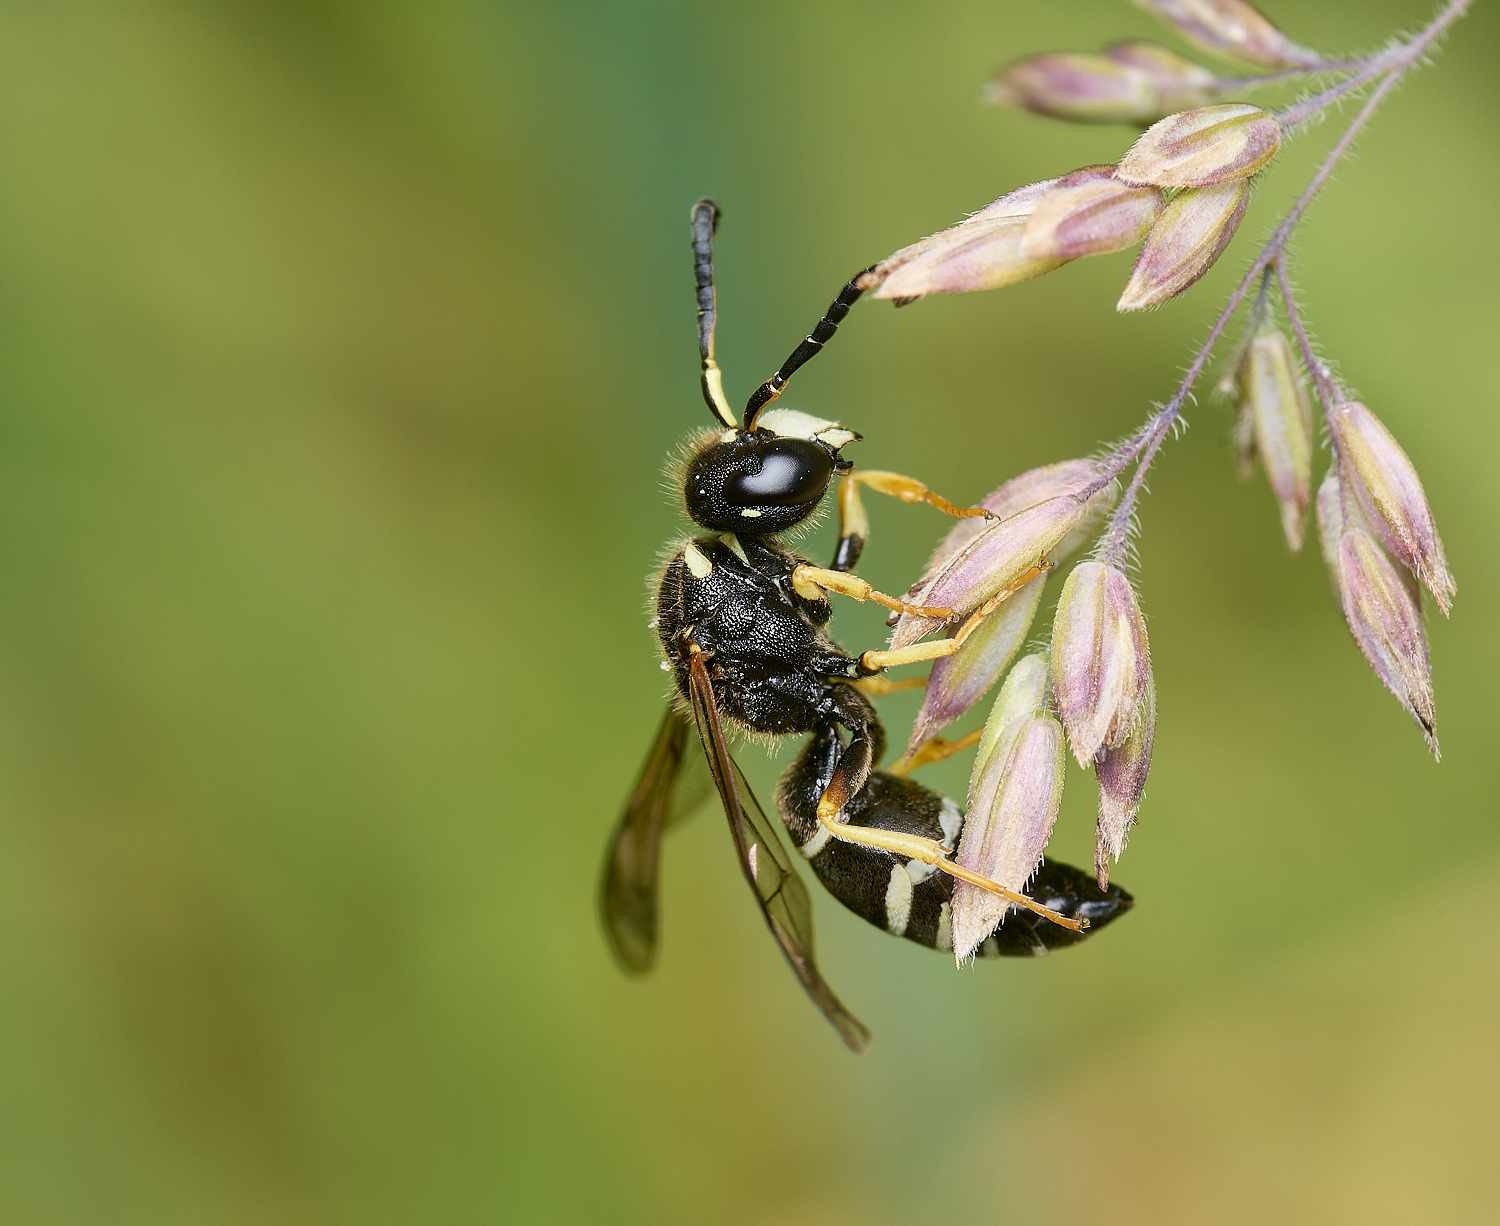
column 854, row 524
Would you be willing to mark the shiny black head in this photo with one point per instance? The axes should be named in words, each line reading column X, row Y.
column 766, row 480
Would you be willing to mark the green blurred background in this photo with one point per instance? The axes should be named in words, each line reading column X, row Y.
column 340, row 347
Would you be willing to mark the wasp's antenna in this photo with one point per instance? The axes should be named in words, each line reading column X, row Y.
column 808, row 349
column 705, row 222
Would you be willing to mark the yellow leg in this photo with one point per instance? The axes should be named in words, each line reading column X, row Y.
column 854, row 524
column 812, row 581
column 909, row 490
column 935, row 750
column 933, row 649
column 878, row 686
column 930, row 851
column 938, row 649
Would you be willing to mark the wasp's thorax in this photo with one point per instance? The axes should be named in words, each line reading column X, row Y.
column 765, row 479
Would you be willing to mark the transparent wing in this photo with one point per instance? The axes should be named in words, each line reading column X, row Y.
column 782, row 896
column 674, row 781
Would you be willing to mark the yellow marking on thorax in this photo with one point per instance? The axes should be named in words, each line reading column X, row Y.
column 696, row 561
column 733, row 542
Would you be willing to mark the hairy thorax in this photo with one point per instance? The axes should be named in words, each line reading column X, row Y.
column 767, row 651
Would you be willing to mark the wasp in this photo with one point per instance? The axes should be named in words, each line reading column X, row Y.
column 742, row 623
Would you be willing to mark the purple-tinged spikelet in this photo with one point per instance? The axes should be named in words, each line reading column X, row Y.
column 1204, row 146
column 991, row 561
column 1134, row 82
column 1390, row 493
column 981, row 252
column 1379, row 602
column 1121, row 774
column 1101, row 660
column 1232, row 28
column 1274, row 398
column 1190, row 235
column 1090, row 212
column 1014, row 795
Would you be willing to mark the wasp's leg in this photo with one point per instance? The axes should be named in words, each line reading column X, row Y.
column 874, row 661
column 852, row 762
column 835, row 800
column 813, row 582
column 866, row 739
column 854, row 524
column 901, row 895
column 879, row 685
column 935, row 750
column 907, row 896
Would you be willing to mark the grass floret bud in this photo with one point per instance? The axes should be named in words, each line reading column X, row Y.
column 1379, row 604
column 1272, row 392
column 1014, row 795
column 1031, row 487
column 959, row 681
column 1390, row 494
column 1180, row 84
column 1190, row 235
column 1101, row 660
column 1129, row 83
column 1243, row 438
column 996, row 558
column 1234, row 29
column 1074, row 85
column 1090, row 212
column 1204, row 146
column 981, row 252
column 1024, row 694
column 1121, row 774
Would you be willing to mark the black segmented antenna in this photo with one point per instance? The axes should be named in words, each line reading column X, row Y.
column 705, row 222
column 810, row 347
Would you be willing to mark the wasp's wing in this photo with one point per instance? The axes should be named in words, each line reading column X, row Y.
column 672, row 783
column 783, row 898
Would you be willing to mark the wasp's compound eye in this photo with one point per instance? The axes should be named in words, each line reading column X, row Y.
column 792, row 472
column 757, row 483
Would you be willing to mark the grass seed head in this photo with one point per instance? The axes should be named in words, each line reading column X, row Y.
column 1101, row 661
column 1090, row 212
column 1390, row 494
column 1232, row 28
column 1015, row 792
column 1272, row 391
column 1190, row 235
column 1121, row 773
column 1379, row 602
column 1204, row 146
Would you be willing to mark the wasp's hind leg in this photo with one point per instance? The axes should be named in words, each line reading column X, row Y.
column 904, row 896
column 907, row 896
column 847, row 778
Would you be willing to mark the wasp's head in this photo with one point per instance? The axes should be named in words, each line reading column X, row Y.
column 764, row 480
